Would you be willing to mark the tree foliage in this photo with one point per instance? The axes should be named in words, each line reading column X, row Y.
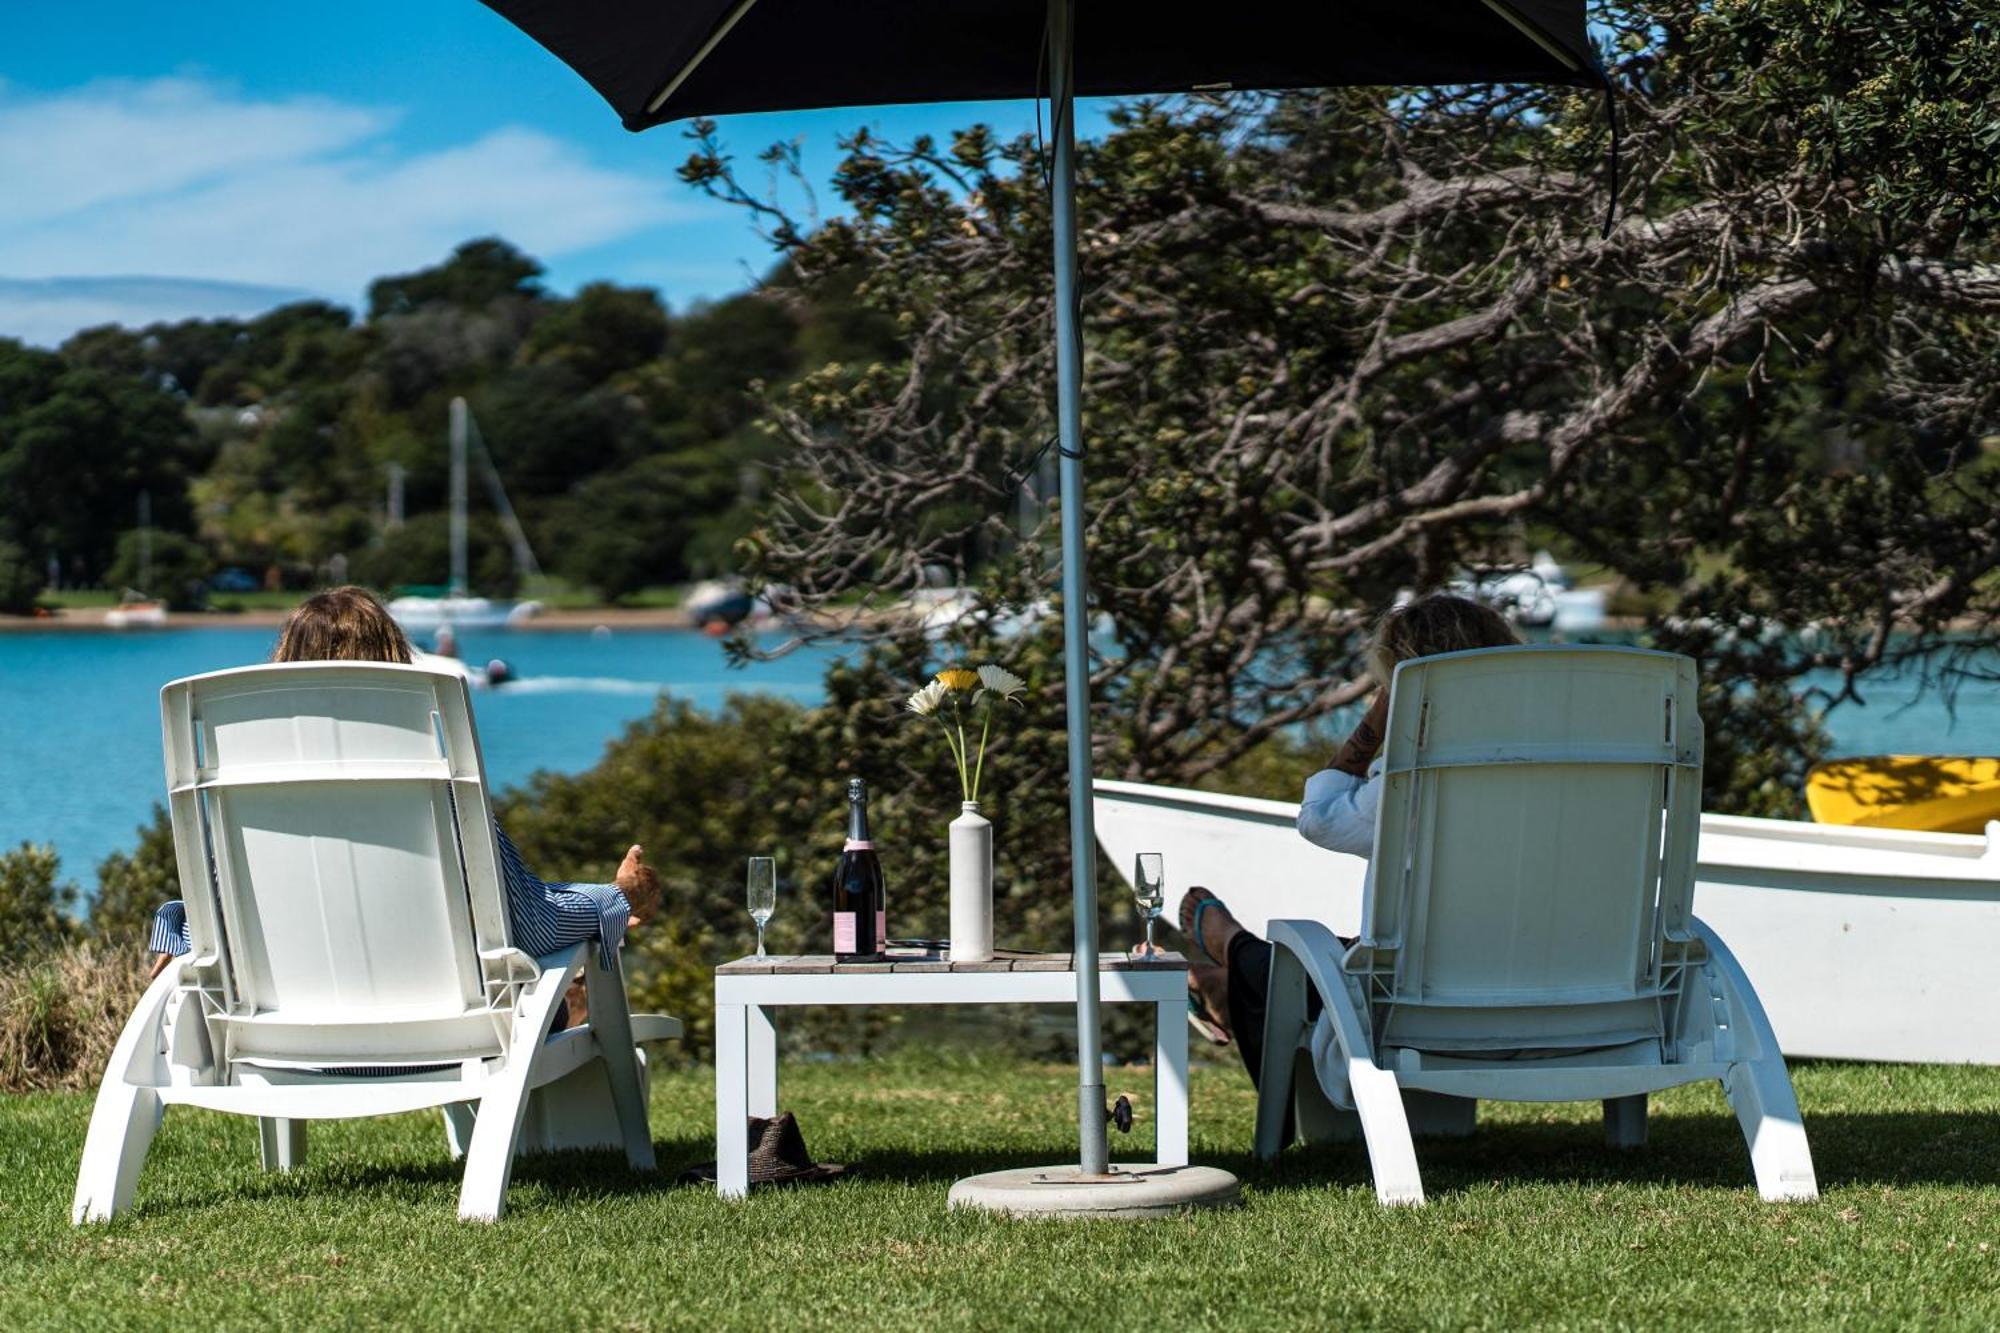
column 620, row 429
column 35, row 905
column 1346, row 343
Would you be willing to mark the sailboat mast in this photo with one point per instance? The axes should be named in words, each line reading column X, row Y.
column 459, row 582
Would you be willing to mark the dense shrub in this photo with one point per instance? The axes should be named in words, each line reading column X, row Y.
column 35, row 906
column 60, row 1014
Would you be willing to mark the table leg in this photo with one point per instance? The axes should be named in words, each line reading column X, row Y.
column 763, row 1060
column 1170, row 1082
column 732, row 1112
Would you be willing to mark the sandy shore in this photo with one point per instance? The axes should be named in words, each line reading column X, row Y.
column 614, row 617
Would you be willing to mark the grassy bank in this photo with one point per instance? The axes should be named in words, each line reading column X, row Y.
column 1532, row 1222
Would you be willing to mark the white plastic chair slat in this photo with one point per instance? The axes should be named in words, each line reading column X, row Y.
column 1483, row 756
column 332, row 770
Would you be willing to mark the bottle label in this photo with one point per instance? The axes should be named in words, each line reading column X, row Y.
column 843, row 932
column 858, row 845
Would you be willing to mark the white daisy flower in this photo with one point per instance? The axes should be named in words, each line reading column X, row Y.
column 924, row 702
column 999, row 680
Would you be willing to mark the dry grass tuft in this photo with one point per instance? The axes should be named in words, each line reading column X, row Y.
column 60, row 1013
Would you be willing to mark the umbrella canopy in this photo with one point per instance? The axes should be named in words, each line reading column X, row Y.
column 660, row 60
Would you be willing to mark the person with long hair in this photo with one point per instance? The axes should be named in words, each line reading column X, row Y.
column 350, row 625
column 1231, row 967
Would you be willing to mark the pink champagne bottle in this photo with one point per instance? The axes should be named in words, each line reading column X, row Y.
column 860, row 918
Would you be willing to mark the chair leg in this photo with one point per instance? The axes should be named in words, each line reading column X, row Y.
column 128, row 1110
column 1392, row 1153
column 1761, row 1094
column 489, row 1158
column 281, row 1143
column 1284, row 1022
column 121, row 1130
column 1758, row 1087
column 1625, row 1121
column 459, row 1118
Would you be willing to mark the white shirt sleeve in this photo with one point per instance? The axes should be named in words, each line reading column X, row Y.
column 1338, row 812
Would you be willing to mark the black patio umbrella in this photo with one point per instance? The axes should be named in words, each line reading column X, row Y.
column 657, row 61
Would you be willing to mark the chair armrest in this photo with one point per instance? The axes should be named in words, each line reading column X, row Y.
column 1319, row 952
column 654, row 1027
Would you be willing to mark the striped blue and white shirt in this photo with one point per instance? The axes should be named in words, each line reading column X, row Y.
column 544, row 917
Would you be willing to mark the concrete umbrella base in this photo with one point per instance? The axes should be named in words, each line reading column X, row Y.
column 1126, row 1192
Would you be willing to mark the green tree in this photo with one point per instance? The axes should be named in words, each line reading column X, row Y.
column 418, row 554
column 478, row 273
column 78, row 447
column 20, row 581
column 35, row 906
column 602, row 331
column 627, row 530
column 1345, row 343
column 132, row 885
column 165, row 565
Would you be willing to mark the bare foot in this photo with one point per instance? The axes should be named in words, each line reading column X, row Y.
column 640, row 885
column 1218, row 927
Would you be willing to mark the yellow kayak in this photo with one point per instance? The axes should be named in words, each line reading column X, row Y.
column 1937, row 793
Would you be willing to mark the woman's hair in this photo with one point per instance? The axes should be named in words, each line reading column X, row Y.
column 342, row 625
column 1437, row 622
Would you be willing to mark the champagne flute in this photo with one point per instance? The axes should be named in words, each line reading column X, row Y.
column 1149, row 887
column 761, row 892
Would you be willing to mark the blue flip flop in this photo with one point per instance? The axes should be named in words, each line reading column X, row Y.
column 1194, row 942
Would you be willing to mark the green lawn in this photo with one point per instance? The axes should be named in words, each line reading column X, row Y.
column 1533, row 1221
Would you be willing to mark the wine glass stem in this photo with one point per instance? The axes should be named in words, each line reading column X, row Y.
column 760, row 939
column 1149, row 934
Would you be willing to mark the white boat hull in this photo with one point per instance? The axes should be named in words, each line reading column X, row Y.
column 1864, row 944
column 426, row 615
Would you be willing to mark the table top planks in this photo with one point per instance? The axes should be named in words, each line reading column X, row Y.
column 907, row 961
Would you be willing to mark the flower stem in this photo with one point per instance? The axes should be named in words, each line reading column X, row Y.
column 979, row 768
column 964, row 781
column 953, row 747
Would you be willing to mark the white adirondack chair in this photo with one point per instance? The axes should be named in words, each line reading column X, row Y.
column 351, row 942
column 1526, row 933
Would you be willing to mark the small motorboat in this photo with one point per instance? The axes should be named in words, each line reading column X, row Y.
column 1934, row 793
column 143, row 614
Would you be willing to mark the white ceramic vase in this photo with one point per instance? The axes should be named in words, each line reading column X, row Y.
column 971, row 886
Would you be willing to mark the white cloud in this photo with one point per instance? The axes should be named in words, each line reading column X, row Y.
column 185, row 178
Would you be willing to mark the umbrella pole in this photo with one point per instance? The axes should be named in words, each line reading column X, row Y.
column 1095, row 1154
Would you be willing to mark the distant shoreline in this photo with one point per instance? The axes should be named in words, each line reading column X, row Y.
column 91, row 620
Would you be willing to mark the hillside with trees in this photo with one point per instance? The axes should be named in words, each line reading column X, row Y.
column 626, row 433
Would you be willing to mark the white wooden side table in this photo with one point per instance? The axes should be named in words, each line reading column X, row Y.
column 749, row 991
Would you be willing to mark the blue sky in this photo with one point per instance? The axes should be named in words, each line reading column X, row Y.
column 218, row 157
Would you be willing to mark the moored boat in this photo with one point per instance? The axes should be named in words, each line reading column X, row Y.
column 143, row 614
column 1936, row 793
column 1864, row 944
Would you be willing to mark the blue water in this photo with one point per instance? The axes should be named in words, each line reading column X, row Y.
column 80, row 713
column 80, row 726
